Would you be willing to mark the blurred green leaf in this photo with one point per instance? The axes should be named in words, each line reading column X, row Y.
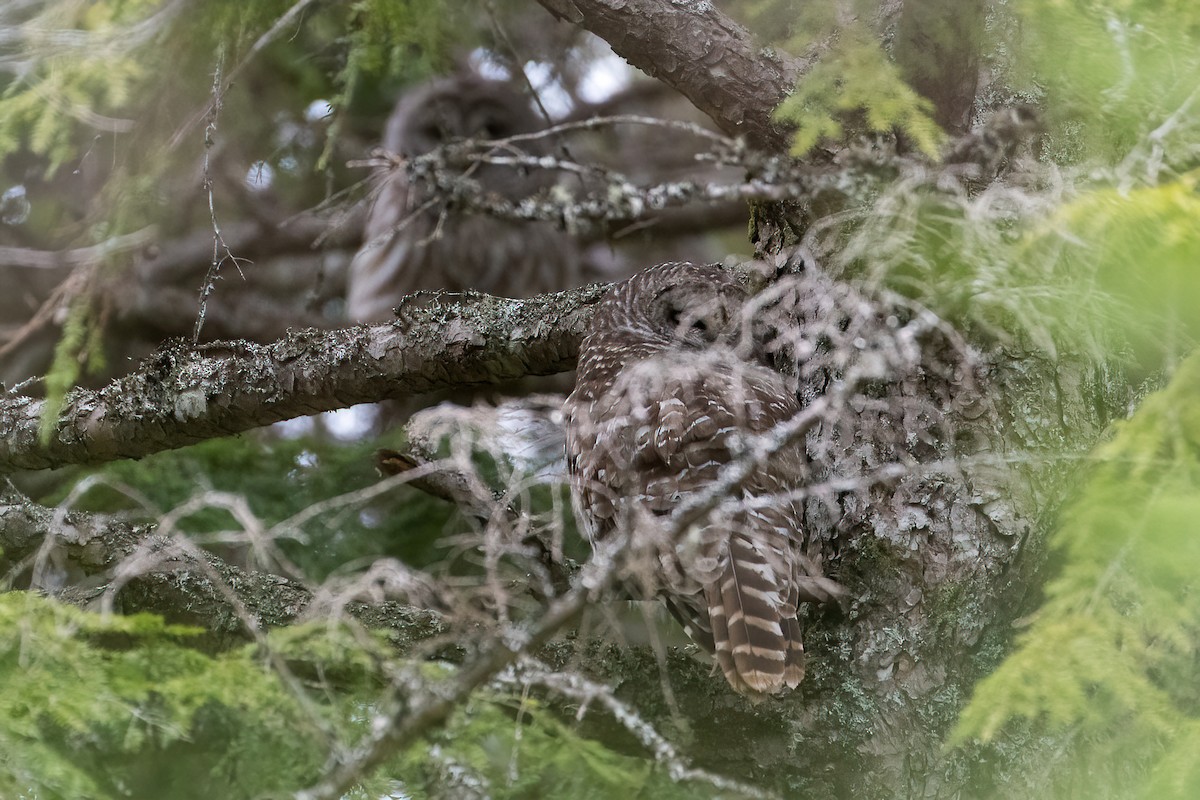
column 1112, row 651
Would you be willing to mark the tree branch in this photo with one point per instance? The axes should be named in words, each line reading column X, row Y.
column 700, row 52
column 51, row 259
column 183, row 395
column 409, row 718
column 184, row 584
column 193, row 587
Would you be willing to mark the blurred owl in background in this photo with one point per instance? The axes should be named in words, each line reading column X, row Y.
column 407, row 248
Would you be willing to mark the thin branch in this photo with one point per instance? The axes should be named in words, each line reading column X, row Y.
column 220, row 250
column 584, row 691
column 459, row 487
column 613, row 120
column 170, row 576
column 408, row 718
column 16, row 257
column 618, row 199
column 445, row 174
column 61, row 297
column 290, row 17
column 97, row 543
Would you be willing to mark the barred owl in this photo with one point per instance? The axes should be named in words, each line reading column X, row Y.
column 407, row 248
column 661, row 400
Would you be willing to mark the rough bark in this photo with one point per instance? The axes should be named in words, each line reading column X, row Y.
column 702, row 53
column 937, row 46
column 183, row 395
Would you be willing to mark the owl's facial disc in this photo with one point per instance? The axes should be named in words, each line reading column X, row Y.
column 697, row 318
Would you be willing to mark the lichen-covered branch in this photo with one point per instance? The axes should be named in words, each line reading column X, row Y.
column 184, row 584
column 702, row 53
column 183, row 394
column 182, row 587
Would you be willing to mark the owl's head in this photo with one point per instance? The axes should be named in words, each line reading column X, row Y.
column 671, row 307
column 693, row 306
column 697, row 315
column 464, row 106
column 468, row 106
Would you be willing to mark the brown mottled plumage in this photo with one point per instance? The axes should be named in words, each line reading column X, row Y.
column 661, row 398
column 406, row 249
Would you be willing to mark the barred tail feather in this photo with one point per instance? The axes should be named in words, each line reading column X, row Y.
column 757, row 648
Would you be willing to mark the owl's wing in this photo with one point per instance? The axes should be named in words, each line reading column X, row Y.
column 748, row 561
column 377, row 274
column 645, row 441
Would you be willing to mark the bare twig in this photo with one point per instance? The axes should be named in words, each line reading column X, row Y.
column 410, row 712
column 227, row 600
column 585, row 692
column 287, row 20
column 613, row 120
column 71, row 287
column 220, row 250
